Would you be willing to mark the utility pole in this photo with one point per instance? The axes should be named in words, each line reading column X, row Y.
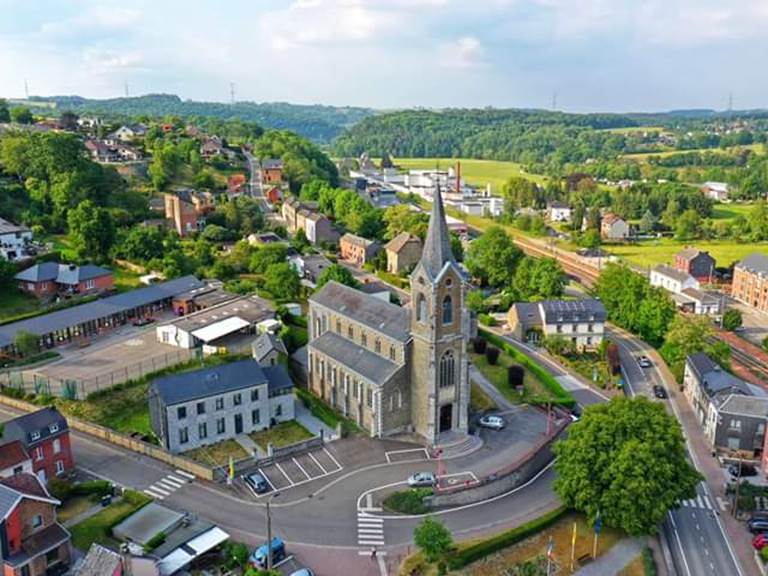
column 26, row 89
column 126, row 89
column 232, row 92
column 269, row 532
column 738, row 485
column 554, row 100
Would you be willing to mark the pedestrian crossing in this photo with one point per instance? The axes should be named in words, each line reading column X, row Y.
column 701, row 502
column 168, row 484
column 370, row 528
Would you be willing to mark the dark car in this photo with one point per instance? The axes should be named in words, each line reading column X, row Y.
column 746, row 470
column 143, row 321
column 257, row 482
column 758, row 525
column 659, row 391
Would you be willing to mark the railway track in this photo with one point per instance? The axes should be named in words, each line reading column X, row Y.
column 757, row 367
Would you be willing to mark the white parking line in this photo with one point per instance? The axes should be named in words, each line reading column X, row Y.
column 315, row 460
column 267, row 479
column 301, row 468
column 186, row 474
column 339, row 466
column 277, row 464
column 392, row 452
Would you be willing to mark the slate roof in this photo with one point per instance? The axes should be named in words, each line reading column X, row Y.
column 690, row 253
column 61, row 273
column 437, row 245
column 277, row 377
column 7, row 227
column 101, row 308
column 756, row 263
column 14, row 488
column 99, row 561
column 12, row 454
column 22, row 427
column 39, row 543
column 355, row 358
column 43, row 272
column 745, row 405
column 400, row 241
column 559, row 205
column 713, row 379
column 265, row 344
column 557, row 311
column 389, row 319
column 674, row 273
column 188, row 386
column 700, row 296
column 272, row 164
column 528, row 314
column 357, row 240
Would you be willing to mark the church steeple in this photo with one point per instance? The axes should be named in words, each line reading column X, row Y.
column 437, row 246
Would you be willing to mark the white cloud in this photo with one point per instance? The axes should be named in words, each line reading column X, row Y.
column 465, row 52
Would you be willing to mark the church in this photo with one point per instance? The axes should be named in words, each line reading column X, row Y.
column 392, row 369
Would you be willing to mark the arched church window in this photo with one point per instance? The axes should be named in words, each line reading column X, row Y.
column 421, row 308
column 447, row 374
column 447, row 310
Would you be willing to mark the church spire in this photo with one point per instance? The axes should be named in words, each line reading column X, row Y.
column 437, row 246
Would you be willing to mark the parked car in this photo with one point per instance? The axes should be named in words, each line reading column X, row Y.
column 257, row 482
column 143, row 321
column 303, row 572
column 760, row 541
column 422, row 480
column 758, row 525
column 644, row 361
column 746, row 470
column 492, row 422
column 259, row 556
column 576, row 412
column 659, row 391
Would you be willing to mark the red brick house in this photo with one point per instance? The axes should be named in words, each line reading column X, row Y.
column 45, row 436
column 356, row 249
column 271, row 171
column 187, row 210
column 235, row 184
column 697, row 263
column 14, row 459
column 274, row 195
column 32, row 542
column 49, row 278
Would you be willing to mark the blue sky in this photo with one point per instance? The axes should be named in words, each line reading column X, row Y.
column 597, row 55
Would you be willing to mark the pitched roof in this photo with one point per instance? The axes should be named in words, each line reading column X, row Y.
column 400, row 241
column 47, row 422
column 99, row 561
column 528, row 314
column 271, row 164
column 43, row 272
column 691, row 253
column 756, row 263
column 745, row 405
column 355, row 358
column 555, row 311
column 7, row 227
column 612, row 218
column 266, row 343
column 206, row 382
column 11, row 454
column 14, row 488
column 559, row 205
column 389, row 319
column 277, row 377
column 61, row 273
column 437, row 246
column 700, row 296
column 713, row 378
column 674, row 273
column 357, row 240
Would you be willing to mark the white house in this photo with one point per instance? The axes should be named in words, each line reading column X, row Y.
column 13, row 240
column 672, row 279
column 129, row 132
column 717, row 191
column 559, row 212
column 580, row 321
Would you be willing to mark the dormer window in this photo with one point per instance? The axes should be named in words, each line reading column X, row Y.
column 53, row 428
column 35, row 435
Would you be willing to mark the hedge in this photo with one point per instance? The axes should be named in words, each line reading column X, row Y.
column 561, row 395
column 475, row 552
column 649, row 563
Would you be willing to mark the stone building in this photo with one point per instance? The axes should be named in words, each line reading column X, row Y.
column 750, row 281
column 396, row 369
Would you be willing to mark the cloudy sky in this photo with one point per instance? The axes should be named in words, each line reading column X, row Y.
column 610, row 55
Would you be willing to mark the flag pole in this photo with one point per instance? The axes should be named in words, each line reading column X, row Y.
column 573, row 546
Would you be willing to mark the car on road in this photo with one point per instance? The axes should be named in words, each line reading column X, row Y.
column 257, row 482
column 758, row 525
column 492, row 422
column 259, row 556
column 644, row 362
column 303, row 572
column 422, row 480
column 746, row 470
column 143, row 321
column 659, row 391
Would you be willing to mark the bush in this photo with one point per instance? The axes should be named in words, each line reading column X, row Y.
column 61, row 489
column 732, row 319
column 649, row 563
column 408, row 501
column 492, row 355
column 479, row 345
column 764, row 554
column 486, row 320
column 515, row 376
column 765, row 343
column 156, row 541
column 92, row 487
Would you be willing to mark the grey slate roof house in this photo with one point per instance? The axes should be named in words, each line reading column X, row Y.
column 267, row 348
column 580, row 321
column 194, row 409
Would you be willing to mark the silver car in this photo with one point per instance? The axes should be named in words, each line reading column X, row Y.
column 422, row 480
column 492, row 422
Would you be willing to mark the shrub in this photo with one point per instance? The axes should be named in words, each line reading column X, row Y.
column 486, row 320
column 61, row 489
column 408, row 501
column 92, row 487
column 764, row 554
column 154, row 542
column 492, row 355
column 479, row 345
column 649, row 563
column 515, row 376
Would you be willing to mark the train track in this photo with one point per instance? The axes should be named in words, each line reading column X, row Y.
column 750, row 363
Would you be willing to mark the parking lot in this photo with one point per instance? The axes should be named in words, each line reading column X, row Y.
column 298, row 470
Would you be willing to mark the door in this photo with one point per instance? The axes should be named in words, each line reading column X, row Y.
column 238, row 423
column 446, row 417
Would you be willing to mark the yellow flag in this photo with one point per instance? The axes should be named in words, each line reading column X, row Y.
column 573, row 540
column 231, row 468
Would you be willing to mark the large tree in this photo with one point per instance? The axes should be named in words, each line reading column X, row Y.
column 493, row 257
column 338, row 273
column 282, row 281
column 688, row 335
column 92, row 232
column 22, row 115
column 625, row 460
column 433, row 539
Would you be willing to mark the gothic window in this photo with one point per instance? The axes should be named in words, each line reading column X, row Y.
column 421, row 308
column 377, row 346
column 447, row 310
column 447, row 370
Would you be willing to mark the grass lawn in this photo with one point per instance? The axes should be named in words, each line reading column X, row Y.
column 283, row 434
column 585, row 364
column 217, row 454
column 662, row 251
column 98, row 527
column 757, row 148
column 475, row 172
column 13, row 302
column 497, row 374
column 63, row 245
column 730, row 211
column 479, row 401
column 125, row 279
column 72, row 507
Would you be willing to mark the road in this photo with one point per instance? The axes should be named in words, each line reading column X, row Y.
column 694, row 532
column 255, row 189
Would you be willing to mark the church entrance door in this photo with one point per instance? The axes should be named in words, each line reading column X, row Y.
column 446, row 417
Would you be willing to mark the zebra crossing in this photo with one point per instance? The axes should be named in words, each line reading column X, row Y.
column 370, row 528
column 701, row 502
column 168, row 484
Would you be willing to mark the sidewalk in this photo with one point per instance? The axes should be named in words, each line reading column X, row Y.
column 479, row 378
column 304, row 417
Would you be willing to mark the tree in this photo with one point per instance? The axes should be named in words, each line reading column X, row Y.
column 300, row 241
column 590, row 239
column 21, row 115
column 626, row 461
column 7, row 272
column 265, row 256
column 28, row 344
column 401, row 218
column 493, row 258
column 142, row 244
column 688, row 225
column 648, row 222
column 732, row 319
column 92, row 231
column 539, row 278
column 282, row 281
column 687, row 335
column 338, row 273
column 68, row 120
column 5, row 115
column 433, row 539
column 456, row 247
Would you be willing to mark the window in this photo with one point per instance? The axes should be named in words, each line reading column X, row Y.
column 575, row 328
column 399, row 395
column 201, row 408
column 202, row 431
column 369, row 398
column 237, row 399
column 18, row 470
column 278, row 410
column 338, row 326
column 255, row 395
column 448, row 282
column 221, row 426
column 183, row 435
column 52, row 556
column 735, row 424
column 377, row 346
column 421, row 308
column 391, row 352
column 255, row 417
column 447, row 310
column 181, row 412
column 39, row 453
column 35, row 435
column 37, row 521
column 392, row 403
column 90, row 284
column 56, row 446
column 53, row 428
column 591, row 328
column 59, row 467
column 219, row 403
column 559, row 329
column 363, row 339
column 447, row 370
column 25, row 570
column 350, row 333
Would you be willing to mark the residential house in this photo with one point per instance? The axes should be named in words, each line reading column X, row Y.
column 697, row 263
column 558, row 211
column 697, row 301
column 101, row 151
column 736, row 426
column 717, row 191
column 45, row 437
column 309, row 266
column 672, row 279
column 580, row 321
column 319, row 229
column 187, row 209
column 211, row 147
column 236, row 185
column 357, row 250
column 89, row 122
column 403, row 252
column 206, row 406
column 268, row 348
column 750, row 281
column 100, row 561
column 14, row 241
column 705, row 383
column 271, row 171
column 32, row 542
column 613, row 227
column 49, row 278
column 128, row 132
column 14, row 459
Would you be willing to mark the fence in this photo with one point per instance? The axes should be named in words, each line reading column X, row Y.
column 72, row 388
column 123, row 440
column 220, row 473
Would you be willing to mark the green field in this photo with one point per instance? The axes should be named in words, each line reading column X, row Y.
column 757, row 148
column 475, row 172
column 631, row 129
column 14, row 303
column 650, row 253
column 730, row 211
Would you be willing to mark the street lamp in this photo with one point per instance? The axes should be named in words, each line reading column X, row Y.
column 269, row 531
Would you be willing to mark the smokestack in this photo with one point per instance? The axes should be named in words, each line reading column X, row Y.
column 458, row 177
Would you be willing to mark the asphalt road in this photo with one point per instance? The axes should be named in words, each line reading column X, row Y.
column 254, row 185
